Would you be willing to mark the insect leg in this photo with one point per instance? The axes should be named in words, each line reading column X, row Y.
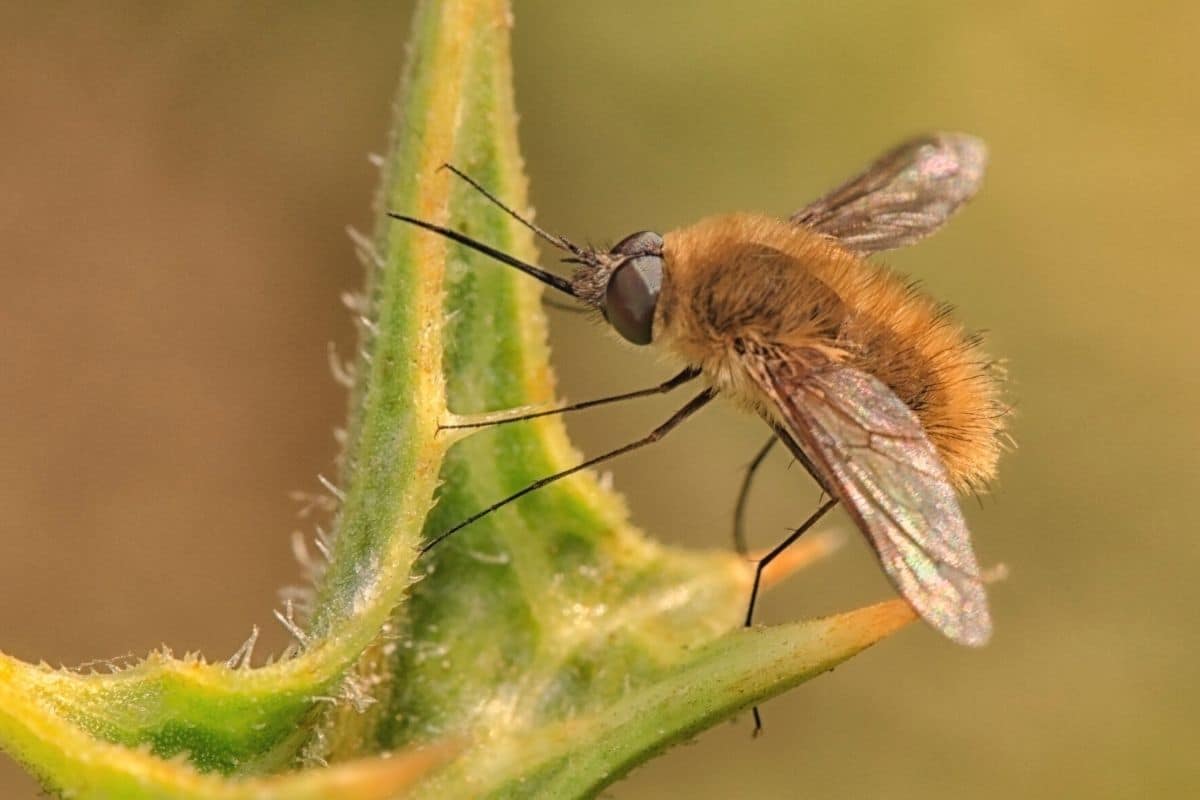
column 802, row 457
column 564, row 306
column 694, row 405
column 765, row 561
column 683, row 377
column 739, row 510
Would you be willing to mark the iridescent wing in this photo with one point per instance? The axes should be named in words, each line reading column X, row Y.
column 868, row 448
column 907, row 194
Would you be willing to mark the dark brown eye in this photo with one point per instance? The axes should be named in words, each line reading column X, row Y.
column 631, row 296
column 642, row 243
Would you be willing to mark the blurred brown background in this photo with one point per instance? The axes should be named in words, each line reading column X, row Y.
column 174, row 182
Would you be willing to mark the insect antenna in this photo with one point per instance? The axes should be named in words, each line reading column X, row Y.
column 558, row 241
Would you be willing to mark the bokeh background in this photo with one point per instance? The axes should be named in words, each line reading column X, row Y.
column 174, row 184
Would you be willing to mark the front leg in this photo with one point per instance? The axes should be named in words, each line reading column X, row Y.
column 488, row 419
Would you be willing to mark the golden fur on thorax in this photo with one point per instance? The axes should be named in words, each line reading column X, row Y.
column 750, row 279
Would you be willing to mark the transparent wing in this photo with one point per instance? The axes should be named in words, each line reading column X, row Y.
column 872, row 453
column 907, row 194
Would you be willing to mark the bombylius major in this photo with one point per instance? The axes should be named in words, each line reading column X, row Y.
column 887, row 402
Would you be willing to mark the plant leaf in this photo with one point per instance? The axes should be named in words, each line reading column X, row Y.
column 72, row 763
column 551, row 640
column 252, row 720
column 542, row 617
column 579, row 756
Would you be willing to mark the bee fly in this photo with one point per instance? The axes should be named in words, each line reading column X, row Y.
column 886, row 401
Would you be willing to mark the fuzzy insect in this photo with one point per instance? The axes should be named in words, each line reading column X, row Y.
column 887, row 401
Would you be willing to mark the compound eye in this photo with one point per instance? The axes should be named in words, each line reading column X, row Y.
column 642, row 243
column 631, row 296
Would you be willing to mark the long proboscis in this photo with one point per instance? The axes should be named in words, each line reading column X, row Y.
column 548, row 278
